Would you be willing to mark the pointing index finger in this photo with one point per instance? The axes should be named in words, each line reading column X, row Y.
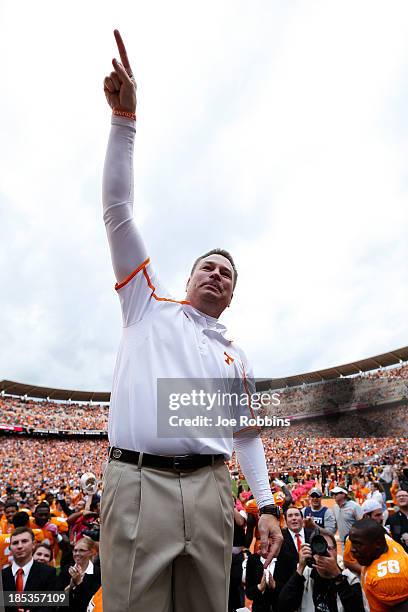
column 122, row 52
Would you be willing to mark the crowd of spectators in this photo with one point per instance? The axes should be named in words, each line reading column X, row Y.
column 328, row 396
column 52, row 415
column 324, row 398
column 42, row 476
column 366, row 422
column 28, row 463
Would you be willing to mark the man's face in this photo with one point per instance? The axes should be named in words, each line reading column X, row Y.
column 402, row 499
column 363, row 550
column 21, row 547
column 376, row 515
column 340, row 498
column 42, row 555
column 210, row 287
column 31, row 503
column 294, row 519
column 332, row 551
column 42, row 516
column 10, row 512
column 315, row 501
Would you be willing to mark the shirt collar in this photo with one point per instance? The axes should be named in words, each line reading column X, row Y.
column 301, row 533
column 26, row 568
column 212, row 323
column 90, row 568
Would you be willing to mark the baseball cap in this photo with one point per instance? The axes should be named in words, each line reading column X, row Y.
column 315, row 491
column 370, row 505
column 338, row 490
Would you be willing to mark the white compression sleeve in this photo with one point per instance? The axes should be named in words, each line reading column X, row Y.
column 126, row 245
column 251, row 457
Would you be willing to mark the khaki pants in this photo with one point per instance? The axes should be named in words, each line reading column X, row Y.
column 166, row 539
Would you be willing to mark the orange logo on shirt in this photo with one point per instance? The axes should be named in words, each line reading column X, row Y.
column 228, row 358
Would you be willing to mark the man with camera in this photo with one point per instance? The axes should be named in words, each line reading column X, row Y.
column 318, row 584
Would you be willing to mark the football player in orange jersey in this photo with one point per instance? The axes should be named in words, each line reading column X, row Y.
column 384, row 576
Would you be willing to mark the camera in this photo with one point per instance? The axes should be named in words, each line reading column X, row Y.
column 318, row 546
column 93, row 533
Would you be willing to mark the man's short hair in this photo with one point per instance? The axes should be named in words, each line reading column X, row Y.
column 370, row 529
column 42, row 504
column 222, row 252
column 21, row 530
column 11, row 503
column 292, row 508
column 20, row 519
column 331, row 536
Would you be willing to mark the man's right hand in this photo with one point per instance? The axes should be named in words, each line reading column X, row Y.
column 120, row 85
column 305, row 553
column 309, row 523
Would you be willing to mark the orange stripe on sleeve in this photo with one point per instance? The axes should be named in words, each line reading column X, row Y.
column 132, row 274
column 153, row 288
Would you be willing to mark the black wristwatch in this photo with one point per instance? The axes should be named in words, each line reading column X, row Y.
column 271, row 509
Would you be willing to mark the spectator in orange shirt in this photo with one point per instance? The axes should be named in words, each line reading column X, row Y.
column 6, row 523
column 393, row 490
column 384, row 575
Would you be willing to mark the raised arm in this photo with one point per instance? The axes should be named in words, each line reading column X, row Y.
column 126, row 245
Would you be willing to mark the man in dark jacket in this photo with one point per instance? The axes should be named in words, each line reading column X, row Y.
column 398, row 522
column 25, row 574
column 293, row 538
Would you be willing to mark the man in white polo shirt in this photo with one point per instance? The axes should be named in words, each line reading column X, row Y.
column 167, row 513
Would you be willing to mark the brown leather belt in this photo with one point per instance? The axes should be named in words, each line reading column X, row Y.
column 180, row 463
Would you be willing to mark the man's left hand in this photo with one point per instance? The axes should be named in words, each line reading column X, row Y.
column 327, row 566
column 271, row 537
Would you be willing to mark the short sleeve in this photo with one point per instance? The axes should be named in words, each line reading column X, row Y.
column 139, row 293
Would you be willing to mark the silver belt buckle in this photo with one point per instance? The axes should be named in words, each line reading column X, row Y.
column 178, row 462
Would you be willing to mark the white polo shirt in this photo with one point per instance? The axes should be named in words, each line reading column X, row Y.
column 165, row 338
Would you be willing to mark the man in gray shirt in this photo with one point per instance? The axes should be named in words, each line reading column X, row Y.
column 346, row 512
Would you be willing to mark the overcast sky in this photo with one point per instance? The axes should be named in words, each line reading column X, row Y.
column 277, row 130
